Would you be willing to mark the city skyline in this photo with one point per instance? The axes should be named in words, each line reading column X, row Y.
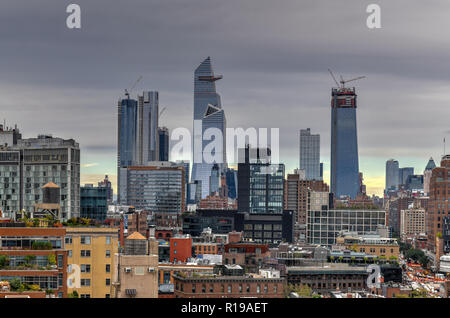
column 290, row 76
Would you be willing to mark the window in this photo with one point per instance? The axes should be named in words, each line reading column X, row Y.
column 107, row 296
column 60, row 261
column 258, row 289
column 108, row 240
column 85, row 268
column 108, row 282
column 108, row 268
column 108, row 253
column 69, row 254
column 85, row 253
column 68, row 239
column 86, row 240
column 85, row 296
column 85, row 282
column 230, row 289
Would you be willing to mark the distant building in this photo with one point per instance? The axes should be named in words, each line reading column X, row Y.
column 328, row 278
column 136, row 270
column 208, row 286
column 43, row 268
column 93, row 202
column 232, row 181
column 437, row 205
column 32, row 163
column 180, row 248
column 92, row 250
column 344, row 173
column 392, row 175
column 157, row 187
column 412, row 222
column 324, row 226
column 296, row 194
column 256, row 179
column 105, row 183
column 163, row 135
column 310, row 154
column 427, row 175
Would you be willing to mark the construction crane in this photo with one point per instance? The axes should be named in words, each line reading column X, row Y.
column 128, row 91
column 342, row 81
column 162, row 111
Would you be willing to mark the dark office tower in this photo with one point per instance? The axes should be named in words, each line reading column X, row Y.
column 163, row 135
column 147, row 146
column 404, row 173
column 109, row 190
column 344, row 144
column 260, row 184
column 231, row 178
column 208, row 110
column 93, row 202
column 126, row 139
column 392, row 175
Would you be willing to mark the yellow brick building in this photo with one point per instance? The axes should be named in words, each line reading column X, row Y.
column 91, row 253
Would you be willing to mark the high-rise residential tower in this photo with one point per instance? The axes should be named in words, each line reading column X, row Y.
column 147, row 146
column 127, row 112
column 344, row 143
column 310, row 154
column 138, row 138
column 209, row 113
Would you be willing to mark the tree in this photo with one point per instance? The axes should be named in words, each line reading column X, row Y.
column 51, row 259
column 4, row 260
column 73, row 294
column 29, row 259
column 16, row 284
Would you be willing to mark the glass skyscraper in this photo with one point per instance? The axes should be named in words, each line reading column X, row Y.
column 344, row 143
column 138, row 137
column 310, row 154
column 208, row 110
column 392, row 175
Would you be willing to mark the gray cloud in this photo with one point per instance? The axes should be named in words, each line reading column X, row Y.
column 273, row 55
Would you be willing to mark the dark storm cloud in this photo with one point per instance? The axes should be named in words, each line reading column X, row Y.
column 274, row 57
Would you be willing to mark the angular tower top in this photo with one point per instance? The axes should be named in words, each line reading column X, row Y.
column 430, row 165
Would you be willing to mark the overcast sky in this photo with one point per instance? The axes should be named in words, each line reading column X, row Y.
column 274, row 57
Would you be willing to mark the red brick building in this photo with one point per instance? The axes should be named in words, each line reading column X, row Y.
column 438, row 204
column 249, row 255
column 180, row 249
column 228, row 287
column 36, row 256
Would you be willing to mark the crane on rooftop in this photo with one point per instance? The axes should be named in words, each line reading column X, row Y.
column 128, row 91
column 342, row 81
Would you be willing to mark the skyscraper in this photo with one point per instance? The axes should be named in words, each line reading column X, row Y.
column 163, row 135
column 126, row 140
column 148, row 136
column 404, row 173
column 392, row 175
column 208, row 110
column 260, row 184
column 344, row 143
column 310, row 154
column 138, row 138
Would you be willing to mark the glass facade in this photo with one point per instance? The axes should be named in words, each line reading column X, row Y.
column 94, row 202
column 310, row 154
column 207, row 109
column 31, row 164
column 266, row 188
column 324, row 226
column 157, row 190
column 344, row 144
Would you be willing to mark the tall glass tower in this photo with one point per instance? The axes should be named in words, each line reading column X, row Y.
column 310, row 154
column 208, row 110
column 344, row 143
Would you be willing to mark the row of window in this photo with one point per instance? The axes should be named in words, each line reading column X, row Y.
column 212, row 288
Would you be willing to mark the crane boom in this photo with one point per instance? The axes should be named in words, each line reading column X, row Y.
column 334, row 78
